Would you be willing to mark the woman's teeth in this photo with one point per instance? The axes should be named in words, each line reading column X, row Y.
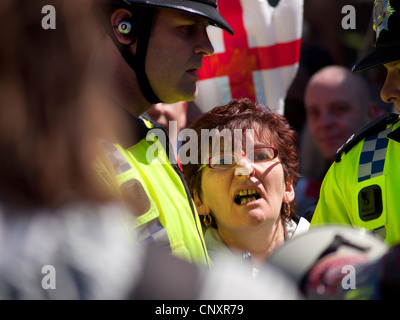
column 246, row 196
column 247, row 200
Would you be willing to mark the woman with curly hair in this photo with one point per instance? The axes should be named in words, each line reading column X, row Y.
column 243, row 180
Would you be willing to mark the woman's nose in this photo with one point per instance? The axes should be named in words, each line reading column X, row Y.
column 244, row 168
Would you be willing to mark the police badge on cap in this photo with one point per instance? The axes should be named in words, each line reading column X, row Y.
column 386, row 47
column 382, row 11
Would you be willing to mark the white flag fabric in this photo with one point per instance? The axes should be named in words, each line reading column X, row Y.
column 259, row 61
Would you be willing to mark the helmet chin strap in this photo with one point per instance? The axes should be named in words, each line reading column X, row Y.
column 137, row 62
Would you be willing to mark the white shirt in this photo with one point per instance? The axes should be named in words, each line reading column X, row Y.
column 218, row 251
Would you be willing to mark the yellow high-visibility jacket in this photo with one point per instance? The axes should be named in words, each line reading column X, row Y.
column 362, row 185
column 158, row 193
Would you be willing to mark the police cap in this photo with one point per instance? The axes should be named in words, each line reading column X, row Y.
column 204, row 8
column 386, row 46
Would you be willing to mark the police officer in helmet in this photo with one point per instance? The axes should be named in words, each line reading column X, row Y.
column 150, row 52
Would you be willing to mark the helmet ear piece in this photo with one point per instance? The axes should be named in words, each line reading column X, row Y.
column 124, row 27
column 127, row 27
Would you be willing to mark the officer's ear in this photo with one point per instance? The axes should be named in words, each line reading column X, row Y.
column 124, row 26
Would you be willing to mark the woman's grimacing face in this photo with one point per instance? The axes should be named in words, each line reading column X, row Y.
column 264, row 184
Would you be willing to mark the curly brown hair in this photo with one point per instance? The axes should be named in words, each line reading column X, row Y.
column 268, row 126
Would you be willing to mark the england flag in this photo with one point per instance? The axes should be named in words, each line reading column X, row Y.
column 259, row 61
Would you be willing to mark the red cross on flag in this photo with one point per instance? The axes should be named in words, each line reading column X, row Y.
column 259, row 61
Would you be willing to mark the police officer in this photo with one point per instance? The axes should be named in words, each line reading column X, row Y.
column 150, row 53
column 361, row 187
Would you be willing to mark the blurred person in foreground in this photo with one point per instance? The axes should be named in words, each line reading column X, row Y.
column 337, row 104
column 61, row 232
column 337, row 262
column 361, row 186
column 62, row 235
column 243, row 185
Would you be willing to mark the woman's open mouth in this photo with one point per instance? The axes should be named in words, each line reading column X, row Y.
column 246, row 196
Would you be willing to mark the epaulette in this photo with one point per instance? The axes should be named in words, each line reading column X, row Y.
column 369, row 129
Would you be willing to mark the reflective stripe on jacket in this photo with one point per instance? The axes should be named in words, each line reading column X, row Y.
column 158, row 193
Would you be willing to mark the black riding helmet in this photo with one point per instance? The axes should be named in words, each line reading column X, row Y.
column 142, row 21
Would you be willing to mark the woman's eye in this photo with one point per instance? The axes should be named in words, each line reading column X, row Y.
column 260, row 157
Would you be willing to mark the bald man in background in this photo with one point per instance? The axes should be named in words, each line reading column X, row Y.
column 337, row 104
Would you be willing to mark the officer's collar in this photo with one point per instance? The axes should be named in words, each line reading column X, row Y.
column 141, row 130
column 395, row 135
column 137, row 132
